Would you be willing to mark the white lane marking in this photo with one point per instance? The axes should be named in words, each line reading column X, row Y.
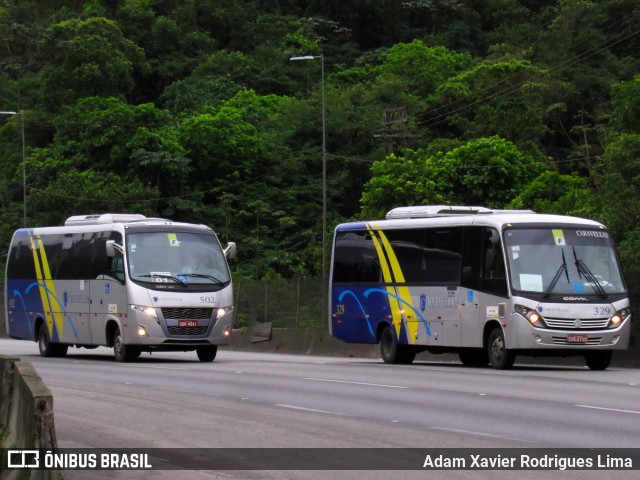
column 353, row 383
column 155, row 367
column 312, row 410
column 480, row 434
column 609, row 409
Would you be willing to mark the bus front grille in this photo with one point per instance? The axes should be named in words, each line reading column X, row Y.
column 187, row 330
column 182, row 313
column 573, row 324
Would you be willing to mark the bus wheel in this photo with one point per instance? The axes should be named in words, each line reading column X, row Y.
column 598, row 360
column 388, row 346
column 499, row 356
column 122, row 352
column 473, row 357
column 391, row 352
column 207, row 354
column 48, row 349
column 44, row 344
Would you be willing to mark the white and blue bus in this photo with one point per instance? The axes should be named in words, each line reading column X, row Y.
column 485, row 284
column 125, row 281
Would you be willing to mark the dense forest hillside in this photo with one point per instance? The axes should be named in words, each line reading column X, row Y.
column 193, row 110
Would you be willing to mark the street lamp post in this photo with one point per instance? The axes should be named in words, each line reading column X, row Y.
column 324, row 166
column 24, row 172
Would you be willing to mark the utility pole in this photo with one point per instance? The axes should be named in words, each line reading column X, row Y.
column 396, row 126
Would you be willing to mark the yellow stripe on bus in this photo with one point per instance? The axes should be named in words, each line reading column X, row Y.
column 44, row 298
column 403, row 291
column 53, row 313
column 388, row 276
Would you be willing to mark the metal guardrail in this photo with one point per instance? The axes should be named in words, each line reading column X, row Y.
column 287, row 303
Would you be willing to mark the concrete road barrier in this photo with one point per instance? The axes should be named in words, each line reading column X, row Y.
column 26, row 416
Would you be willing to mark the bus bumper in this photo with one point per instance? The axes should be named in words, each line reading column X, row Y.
column 149, row 333
column 521, row 335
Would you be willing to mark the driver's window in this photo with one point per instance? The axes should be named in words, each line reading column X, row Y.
column 117, row 267
column 493, row 259
column 494, row 278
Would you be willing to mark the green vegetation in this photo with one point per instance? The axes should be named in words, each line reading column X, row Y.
column 191, row 110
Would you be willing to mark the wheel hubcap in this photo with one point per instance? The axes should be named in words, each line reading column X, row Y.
column 498, row 349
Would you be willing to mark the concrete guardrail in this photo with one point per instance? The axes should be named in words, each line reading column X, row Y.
column 26, row 416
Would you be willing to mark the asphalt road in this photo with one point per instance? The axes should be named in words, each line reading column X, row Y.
column 265, row 400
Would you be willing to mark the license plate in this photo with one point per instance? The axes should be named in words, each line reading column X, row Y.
column 577, row 339
column 187, row 323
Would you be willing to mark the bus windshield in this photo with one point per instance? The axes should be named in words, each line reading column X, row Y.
column 176, row 257
column 563, row 261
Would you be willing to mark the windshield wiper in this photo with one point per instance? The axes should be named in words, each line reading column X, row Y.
column 584, row 270
column 162, row 275
column 556, row 277
column 202, row 275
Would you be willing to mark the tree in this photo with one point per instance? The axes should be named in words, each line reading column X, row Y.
column 87, row 58
column 422, row 68
column 553, row 192
column 509, row 98
column 410, row 179
column 486, row 171
column 102, row 133
column 625, row 105
column 220, row 144
column 73, row 192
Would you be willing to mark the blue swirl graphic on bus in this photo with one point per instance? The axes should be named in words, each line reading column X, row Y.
column 366, row 315
column 17, row 294
column 53, row 295
column 402, row 301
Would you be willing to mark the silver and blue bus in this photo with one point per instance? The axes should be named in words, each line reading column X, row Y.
column 485, row 284
column 125, row 281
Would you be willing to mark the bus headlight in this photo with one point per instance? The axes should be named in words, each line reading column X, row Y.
column 222, row 311
column 619, row 317
column 532, row 316
column 148, row 311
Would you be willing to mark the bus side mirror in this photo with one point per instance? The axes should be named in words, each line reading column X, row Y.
column 112, row 248
column 230, row 251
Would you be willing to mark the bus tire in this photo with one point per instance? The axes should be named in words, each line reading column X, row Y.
column 598, row 360
column 500, row 357
column 393, row 353
column 122, row 352
column 473, row 357
column 207, row 354
column 44, row 343
column 48, row 349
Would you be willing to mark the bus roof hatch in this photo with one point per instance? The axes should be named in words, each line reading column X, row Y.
column 425, row 211
column 104, row 218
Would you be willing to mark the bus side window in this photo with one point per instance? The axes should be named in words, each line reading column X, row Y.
column 355, row 259
column 117, row 268
column 103, row 265
column 20, row 264
column 494, row 278
column 471, row 257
